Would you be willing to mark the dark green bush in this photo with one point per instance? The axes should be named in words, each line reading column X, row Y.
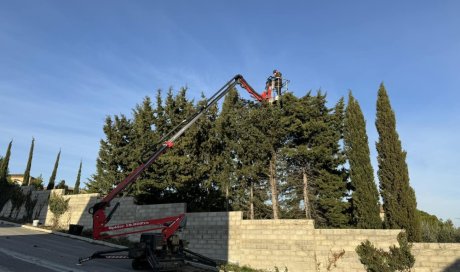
column 377, row 260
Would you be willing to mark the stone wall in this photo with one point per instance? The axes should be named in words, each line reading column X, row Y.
column 265, row 244
column 292, row 244
column 298, row 246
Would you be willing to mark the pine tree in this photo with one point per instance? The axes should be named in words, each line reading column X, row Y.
column 26, row 180
column 316, row 176
column 296, row 153
column 76, row 189
column 365, row 197
column 4, row 167
column 53, row 174
column 399, row 202
column 114, row 161
column 202, row 192
column 143, row 145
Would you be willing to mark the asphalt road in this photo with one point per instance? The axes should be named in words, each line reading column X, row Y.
column 29, row 250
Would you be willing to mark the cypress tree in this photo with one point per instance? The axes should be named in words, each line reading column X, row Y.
column 76, row 189
column 53, row 174
column 26, row 180
column 4, row 167
column 331, row 181
column 399, row 201
column 365, row 197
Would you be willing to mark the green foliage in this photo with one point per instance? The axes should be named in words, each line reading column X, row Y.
column 365, row 209
column 112, row 164
column 58, row 205
column 53, row 174
column 62, row 185
column 232, row 160
column 399, row 202
column 378, row 260
column 434, row 230
column 26, row 180
column 29, row 206
column 76, row 189
column 17, row 199
column 315, row 177
column 37, row 182
column 4, row 167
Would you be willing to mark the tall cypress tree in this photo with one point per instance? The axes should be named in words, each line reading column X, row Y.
column 365, row 197
column 399, row 201
column 53, row 174
column 76, row 189
column 4, row 167
column 26, row 180
column 331, row 182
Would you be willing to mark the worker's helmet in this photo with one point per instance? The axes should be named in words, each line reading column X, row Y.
column 274, row 71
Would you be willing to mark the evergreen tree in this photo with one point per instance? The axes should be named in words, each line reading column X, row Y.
column 26, row 180
column 53, row 174
column 143, row 145
column 38, row 182
column 62, row 185
column 317, row 179
column 240, row 157
column 332, row 176
column 6, row 189
column 365, row 211
column 201, row 192
column 4, row 167
column 114, row 161
column 76, row 189
column 298, row 156
column 399, row 201
column 253, row 155
column 267, row 120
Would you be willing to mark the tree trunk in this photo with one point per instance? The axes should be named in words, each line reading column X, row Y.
column 305, row 194
column 251, row 202
column 227, row 193
column 274, row 187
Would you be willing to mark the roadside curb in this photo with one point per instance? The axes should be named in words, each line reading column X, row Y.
column 89, row 240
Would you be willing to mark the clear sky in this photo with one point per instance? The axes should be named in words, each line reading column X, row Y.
column 66, row 65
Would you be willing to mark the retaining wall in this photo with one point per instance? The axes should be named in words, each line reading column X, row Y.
column 265, row 244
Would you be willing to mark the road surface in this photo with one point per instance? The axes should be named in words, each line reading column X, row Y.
column 29, row 250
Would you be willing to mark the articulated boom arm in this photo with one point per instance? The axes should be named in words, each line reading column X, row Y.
column 171, row 224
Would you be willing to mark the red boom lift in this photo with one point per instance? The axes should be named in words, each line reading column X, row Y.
column 165, row 251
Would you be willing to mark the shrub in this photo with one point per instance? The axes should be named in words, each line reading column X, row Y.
column 378, row 260
column 58, row 206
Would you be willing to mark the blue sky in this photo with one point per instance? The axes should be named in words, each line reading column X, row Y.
column 66, row 65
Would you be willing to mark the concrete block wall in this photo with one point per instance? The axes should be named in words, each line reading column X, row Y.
column 41, row 208
column 263, row 244
column 208, row 233
column 298, row 246
column 79, row 205
column 436, row 257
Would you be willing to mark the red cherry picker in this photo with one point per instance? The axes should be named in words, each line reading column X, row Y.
column 164, row 250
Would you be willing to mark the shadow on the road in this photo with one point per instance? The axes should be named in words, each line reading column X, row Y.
column 22, row 249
